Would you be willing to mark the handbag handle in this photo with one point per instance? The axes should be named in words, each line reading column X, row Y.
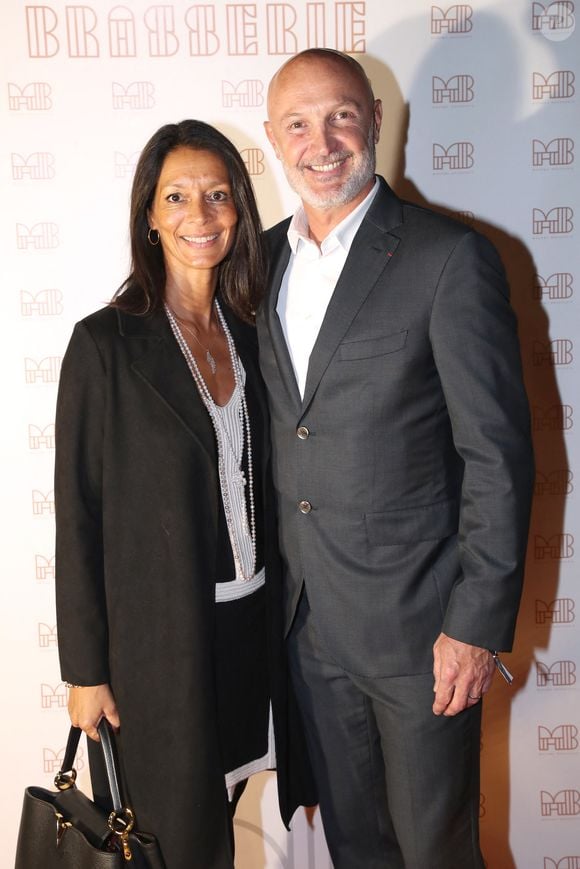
column 66, row 776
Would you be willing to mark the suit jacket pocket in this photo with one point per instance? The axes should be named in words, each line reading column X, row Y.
column 369, row 347
column 412, row 524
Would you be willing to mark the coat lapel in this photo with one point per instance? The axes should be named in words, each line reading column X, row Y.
column 157, row 359
column 372, row 250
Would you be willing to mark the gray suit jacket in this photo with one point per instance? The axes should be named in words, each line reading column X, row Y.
column 417, row 463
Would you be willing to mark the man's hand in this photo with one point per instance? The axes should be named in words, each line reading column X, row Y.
column 463, row 673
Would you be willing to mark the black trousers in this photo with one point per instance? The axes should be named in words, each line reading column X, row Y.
column 398, row 786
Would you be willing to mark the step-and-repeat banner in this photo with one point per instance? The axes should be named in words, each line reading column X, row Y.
column 482, row 119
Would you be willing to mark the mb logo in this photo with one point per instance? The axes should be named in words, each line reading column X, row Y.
column 557, row 287
column 558, row 417
column 562, row 674
column 247, row 94
column 38, row 166
column 52, row 760
column 557, row 152
column 564, row 804
column 558, row 612
column 41, row 236
column 459, row 155
column 563, row 863
column 557, row 482
column 254, row 160
column 44, row 567
column 46, row 370
column 137, row 95
column 454, row 19
column 557, row 221
column 53, row 696
column 559, row 85
column 32, row 97
column 125, row 164
column 556, row 548
column 561, row 738
column 457, row 89
column 41, row 438
column 557, row 352
column 45, row 303
column 553, row 16
column 47, row 637
column 42, row 503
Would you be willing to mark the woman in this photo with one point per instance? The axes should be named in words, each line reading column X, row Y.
column 166, row 624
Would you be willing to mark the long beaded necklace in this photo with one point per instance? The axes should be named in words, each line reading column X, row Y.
column 209, row 358
column 222, row 442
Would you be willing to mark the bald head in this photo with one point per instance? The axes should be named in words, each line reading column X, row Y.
column 318, row 61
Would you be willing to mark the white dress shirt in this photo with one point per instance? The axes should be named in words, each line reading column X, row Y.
column 310, row 279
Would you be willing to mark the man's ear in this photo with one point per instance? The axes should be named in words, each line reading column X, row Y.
column 271, row 139
column 378, row 118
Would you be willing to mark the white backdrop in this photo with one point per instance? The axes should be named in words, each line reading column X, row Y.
column 482, row 119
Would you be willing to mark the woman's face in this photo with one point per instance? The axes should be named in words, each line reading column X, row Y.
column 193, row 211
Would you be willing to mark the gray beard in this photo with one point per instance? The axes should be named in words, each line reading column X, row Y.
column 361, row 175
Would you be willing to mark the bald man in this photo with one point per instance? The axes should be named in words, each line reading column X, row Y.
column 403, row 468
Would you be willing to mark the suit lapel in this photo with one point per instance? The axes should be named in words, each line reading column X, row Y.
column 157, row 359
column 280, row 255
column 372, row 250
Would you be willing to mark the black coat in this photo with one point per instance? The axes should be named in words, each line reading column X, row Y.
column 137, row 501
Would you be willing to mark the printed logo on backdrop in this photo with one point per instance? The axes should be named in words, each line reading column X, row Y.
column 125, row 164
column 559, row 547
column 47, row 636
column 564, row 737
column 52, row 760
column 42, row 503
column 556, row 152
column 32, row 97
column 560, row 674
column 556, row 21
column 254, row 160
column 44, row 303
column 41, row 236
column 38, row 166
column 45, row 370
column 558, row 482
column 454, row 20
column 558, row 612
column 564, row 804
column 136, row 95
column 562, row 863
column 558, row 85
column 44, row 567
column 247, row 94
column 456, row 157
column 556, row 221
column 559, row 352
column 41, row 438
column 457, row 90
column 555, row 288
column 52, row 696
column 236, row 29
column 557, row 417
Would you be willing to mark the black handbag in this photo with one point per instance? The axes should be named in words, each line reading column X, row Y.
column 64, row 829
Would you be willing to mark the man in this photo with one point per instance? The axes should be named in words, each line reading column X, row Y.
column 403, row 467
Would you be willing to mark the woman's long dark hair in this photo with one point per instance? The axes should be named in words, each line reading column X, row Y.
column 242, row 274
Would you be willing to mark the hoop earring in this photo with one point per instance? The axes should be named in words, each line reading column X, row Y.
column 150, row 237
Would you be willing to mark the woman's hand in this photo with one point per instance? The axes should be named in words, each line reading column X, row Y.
column 87, row 705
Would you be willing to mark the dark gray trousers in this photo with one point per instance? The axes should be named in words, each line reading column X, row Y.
column 398, row 786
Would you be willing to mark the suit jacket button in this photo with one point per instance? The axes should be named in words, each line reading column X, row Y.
column 302, row 432
column 304, row 506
